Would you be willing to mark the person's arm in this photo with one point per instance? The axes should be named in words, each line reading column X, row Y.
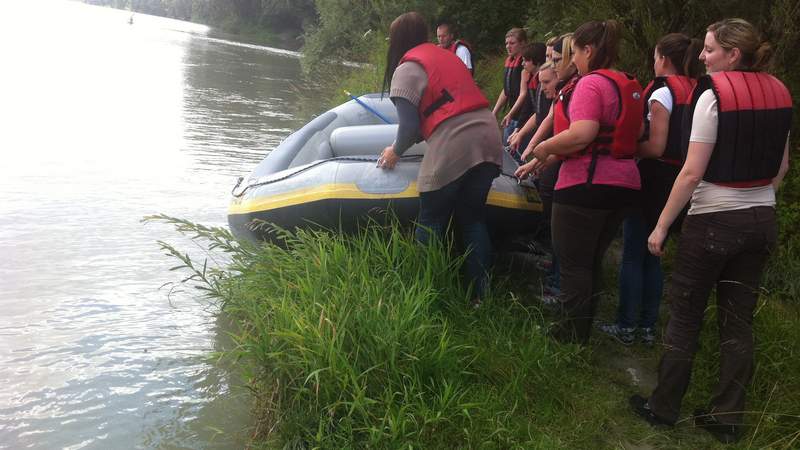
column 689, row 177
column 521, row 99
column 577, row 137
column 544, row 130
column 776, row 182
column 463, row 53
column 526, row 129
column 655, row 145
column 408, row 133
column 501, row 101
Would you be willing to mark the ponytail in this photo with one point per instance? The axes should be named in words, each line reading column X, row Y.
column 692, row 66
column 762, row 57
column 683, row 53
column 604, row 37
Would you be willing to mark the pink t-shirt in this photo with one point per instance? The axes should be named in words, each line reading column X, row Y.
column 595, row 98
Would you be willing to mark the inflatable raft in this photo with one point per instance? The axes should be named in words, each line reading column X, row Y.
column 325, row 175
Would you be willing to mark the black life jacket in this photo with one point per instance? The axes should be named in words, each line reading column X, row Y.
column 755, row 115
column 680, row 88
column 512, row 79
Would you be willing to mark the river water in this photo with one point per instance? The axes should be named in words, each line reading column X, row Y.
column 101, row 123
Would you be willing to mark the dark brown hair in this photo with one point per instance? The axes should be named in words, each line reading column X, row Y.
column 406, row 32
column 741, row 34
column 604, row 37
column 535, row 52
column 683, row 53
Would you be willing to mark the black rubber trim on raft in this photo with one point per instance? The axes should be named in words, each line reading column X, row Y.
column 323, row 161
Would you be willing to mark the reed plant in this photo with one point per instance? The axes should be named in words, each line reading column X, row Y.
column 368, row 341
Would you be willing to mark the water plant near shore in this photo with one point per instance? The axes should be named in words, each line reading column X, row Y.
column 368, row 341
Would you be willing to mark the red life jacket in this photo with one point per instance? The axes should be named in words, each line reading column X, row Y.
column 755, row 115
column 680, row 88
column 561, row 107
column 533, row 83
column 620, row 139
column 454, row 46
column 451, row 90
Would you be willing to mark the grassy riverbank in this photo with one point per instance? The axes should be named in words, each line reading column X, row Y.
column 367, row 341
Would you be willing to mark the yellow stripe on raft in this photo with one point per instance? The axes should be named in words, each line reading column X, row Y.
column 351, row 191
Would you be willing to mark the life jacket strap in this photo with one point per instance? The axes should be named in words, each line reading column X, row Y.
column 441, row 101
column 744, row 184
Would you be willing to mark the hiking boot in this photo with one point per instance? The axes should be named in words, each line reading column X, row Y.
column 647, row 336
column 624, row 336
column 641, row 407
column 724, row 432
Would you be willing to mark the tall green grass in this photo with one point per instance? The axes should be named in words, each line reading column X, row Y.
column 368, row 341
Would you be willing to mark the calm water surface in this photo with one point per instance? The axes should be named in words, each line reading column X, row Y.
column 102, row 123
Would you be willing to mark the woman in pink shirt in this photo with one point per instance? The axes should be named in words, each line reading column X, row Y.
column 594, row 188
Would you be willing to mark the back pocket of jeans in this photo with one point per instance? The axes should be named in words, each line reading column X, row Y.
column 723, row 242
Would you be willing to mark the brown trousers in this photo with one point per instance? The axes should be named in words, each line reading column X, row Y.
column 581, row 237
column 728, row 250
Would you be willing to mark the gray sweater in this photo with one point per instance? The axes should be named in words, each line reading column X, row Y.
column 456, row 145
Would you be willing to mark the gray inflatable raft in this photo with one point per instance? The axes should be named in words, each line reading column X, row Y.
column 325, row 175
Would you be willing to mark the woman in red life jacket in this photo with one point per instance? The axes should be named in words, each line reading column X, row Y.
column 737, row 157
column 515, row 82
column 597, row 123
column 677, row 68
column 438, row 101
column 536, row 104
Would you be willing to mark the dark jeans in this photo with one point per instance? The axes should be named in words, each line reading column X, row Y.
column 581, row 237
column 640, row 277
column 465, row 200
column 546, row 184
column 728, row 250
column 512, row 125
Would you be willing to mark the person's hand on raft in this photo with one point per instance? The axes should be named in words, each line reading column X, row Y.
column 526, row 169
column 388, row 158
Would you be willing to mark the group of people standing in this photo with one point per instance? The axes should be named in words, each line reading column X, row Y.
column 605, row 153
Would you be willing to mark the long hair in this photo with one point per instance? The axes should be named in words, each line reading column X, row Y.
column 604, row 37
column 683, row 53
column 406, row 32
column 741, row 34
column 565, row 68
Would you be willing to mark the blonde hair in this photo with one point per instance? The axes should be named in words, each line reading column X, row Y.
column 563, row 67
column 739, row 33
column 550, row 42
column 547, row 66
column 519, row 34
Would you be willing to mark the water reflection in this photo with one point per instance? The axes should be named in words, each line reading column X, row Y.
column 104, row 123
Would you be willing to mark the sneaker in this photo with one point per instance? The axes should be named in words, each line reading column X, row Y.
column 624, row 336
column 641, row 407
column 550, row 301
column 647, row 336
column 723, row 432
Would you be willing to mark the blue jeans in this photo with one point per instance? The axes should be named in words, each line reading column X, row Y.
column 640, row 278
column 512, row 125
column 465, row 199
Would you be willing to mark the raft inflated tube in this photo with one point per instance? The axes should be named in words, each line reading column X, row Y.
column 361, row 140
